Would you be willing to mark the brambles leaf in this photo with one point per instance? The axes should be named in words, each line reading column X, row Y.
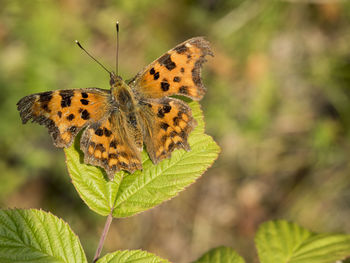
column 129, row 194
column 36, row 236
column 281, row 241
column 129, row 256
column 220, row 255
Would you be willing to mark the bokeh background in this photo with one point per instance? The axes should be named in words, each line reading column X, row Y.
column 278, row 103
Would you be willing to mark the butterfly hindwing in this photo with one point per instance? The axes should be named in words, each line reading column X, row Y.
column 177, row 72
column 167, row 123
column 65, row 112
column 112, row 144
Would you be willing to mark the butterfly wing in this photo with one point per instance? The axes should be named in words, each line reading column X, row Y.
column 167, row 123
column 114, row 143
column 177, row 72
column 113, row 139
column 65, row 112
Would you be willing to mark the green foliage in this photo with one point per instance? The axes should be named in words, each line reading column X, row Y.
column 138, row 256
column 129, row 194
column 281, row 241
column 220, row 255
column 37, row 236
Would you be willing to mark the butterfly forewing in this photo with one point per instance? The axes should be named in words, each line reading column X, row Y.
column 177, row 72
column 65, row 112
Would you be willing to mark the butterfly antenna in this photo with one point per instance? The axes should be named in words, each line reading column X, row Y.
column 79, row 45
column 117, row 51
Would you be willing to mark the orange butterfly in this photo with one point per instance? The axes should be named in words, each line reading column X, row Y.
column 120, row 120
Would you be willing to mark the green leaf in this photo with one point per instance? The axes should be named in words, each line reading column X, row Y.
column 220, row 255
column 138, row 256
column 129, row 194
column 36, row 236
column 281, row 241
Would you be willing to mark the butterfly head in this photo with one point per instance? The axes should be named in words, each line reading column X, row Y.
column 115, row 80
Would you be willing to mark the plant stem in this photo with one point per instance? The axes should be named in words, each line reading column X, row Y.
column 103, row 236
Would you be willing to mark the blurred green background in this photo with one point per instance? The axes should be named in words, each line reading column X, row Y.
column 278, row 103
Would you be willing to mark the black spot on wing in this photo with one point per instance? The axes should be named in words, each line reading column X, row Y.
column 164, row 126
column 164, row 85
column 84, row 101
column 70, row 117
column 177, row 79
column 171, row 146
column 107, row 132
column 66, row 97
column 167, row 108
column 113, row 156
column 45, row 96
column 85, row 115
column 183, row 90
column 160, row 113
column 176, row 121
column 156, row 76
column 99, row 132
column 166, row 61
column 113, row 144
column 84, row 95
column 45, row 107
column 44, row 99
column 181, row 49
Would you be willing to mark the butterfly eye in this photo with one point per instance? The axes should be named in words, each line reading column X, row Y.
column 112, row 79
column 115, row 80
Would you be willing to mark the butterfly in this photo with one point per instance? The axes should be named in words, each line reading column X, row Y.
column 119, row 121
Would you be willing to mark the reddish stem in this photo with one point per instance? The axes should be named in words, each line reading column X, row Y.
column 103, row 236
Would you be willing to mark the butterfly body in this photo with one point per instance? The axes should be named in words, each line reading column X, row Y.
column 118, row 122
